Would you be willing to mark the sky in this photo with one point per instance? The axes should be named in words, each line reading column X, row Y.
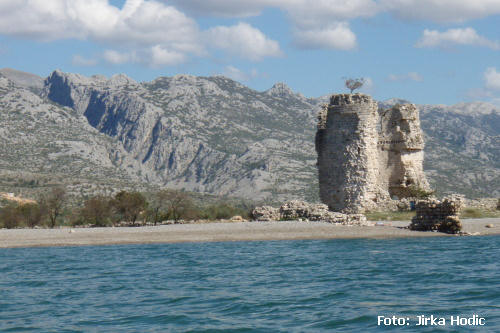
column 424, row 51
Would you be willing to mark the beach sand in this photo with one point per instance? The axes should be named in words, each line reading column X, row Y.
column 216, row 232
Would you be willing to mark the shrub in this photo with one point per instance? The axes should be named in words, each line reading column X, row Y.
column 53, row 204
column 353, row 84
column 177, row 205
column 419, row 193
column 31, row 214
column 128, row 205
column 9, row 217
column 222, row 211
column 96, row 211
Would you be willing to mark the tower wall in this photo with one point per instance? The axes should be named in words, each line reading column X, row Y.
column 366, row 156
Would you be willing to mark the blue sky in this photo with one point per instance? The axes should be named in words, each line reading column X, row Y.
column 426, row 51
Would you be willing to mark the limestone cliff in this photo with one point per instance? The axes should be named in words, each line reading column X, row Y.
column 209, row 134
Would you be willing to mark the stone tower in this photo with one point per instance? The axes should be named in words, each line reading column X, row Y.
column 367, row 155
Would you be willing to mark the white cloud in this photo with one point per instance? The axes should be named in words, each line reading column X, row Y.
column 79, row 60
column 441, row 10
column 315, row 23
column 491, row 90
column 312, row 17
column 55, row 19
column 305, row 10
column 155, row 56
column 147, row 28
column 411, row 76
column 321, row 12
column 335, row 37
column 161, row 56
column 492, row 79
column 118, row 58
column 243, row 40
column 151, row 32
column 322, row 24
column 161, row 34
column 226, row 8
column 235, row 73
column 339, row 10
column 465, row 36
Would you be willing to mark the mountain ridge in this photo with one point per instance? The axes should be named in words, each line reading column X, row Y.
column 214, row 135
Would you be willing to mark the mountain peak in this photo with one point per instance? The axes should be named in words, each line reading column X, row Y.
column 393, row 101
column 22, row 79
column 280, row 89
column 184, row 77
column 474, row 108
column 121, row 79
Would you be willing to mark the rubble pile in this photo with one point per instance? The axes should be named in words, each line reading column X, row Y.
column 300, row 210
column 435, row 215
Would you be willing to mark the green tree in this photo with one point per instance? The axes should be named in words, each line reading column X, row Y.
column 179, row 205
column 31, row 214
column 353, row 84
column 158, row 206
column 9, row 217
column 96, row 211
column 129, row 205
column 53, row 204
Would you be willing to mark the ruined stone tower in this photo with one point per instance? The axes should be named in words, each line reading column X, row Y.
column 367, row 155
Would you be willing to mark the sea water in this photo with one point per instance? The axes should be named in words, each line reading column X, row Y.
column 261, row 286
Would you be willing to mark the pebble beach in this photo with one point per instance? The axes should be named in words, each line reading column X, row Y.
column 217, row 232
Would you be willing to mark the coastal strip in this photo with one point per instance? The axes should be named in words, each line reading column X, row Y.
column 217, row 232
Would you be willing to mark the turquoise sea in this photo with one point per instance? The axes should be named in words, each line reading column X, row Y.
column 271, row 286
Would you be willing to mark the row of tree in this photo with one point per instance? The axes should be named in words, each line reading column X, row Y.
column 133, row 207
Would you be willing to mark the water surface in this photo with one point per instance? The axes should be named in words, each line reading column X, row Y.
column 270, row 286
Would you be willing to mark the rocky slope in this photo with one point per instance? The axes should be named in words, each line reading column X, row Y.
column 210, row 134
column 42, row 144
column 202, row 134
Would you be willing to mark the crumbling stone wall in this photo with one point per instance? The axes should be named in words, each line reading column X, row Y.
column 366, row 155
column 296, row 209
column 435, row 215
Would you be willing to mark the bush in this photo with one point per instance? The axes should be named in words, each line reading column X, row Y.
column 31, row 214
column 96, row 211
column 419, row 193
column 53, row 204
column 128, row 205
column 10, row 217
column 390, row 216
column 476, row 213
column 222, row 211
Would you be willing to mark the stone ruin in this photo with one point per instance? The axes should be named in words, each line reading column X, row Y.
column 299, row 210
column 435, row 215
column 367, row 155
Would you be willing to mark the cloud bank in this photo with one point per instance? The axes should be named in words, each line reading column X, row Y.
column 450, row 37
column 148, row 32
column 492, row 79
column 164, row 33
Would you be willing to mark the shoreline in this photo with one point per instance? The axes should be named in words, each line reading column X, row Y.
column 220, row 232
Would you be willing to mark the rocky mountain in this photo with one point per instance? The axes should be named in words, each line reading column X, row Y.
column 43, row 144
column 463, row 148
column 25, row 80
column 208, row 134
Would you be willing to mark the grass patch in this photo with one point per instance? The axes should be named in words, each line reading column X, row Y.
column 390, row 216
column 467, row 213
column 477, row 213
